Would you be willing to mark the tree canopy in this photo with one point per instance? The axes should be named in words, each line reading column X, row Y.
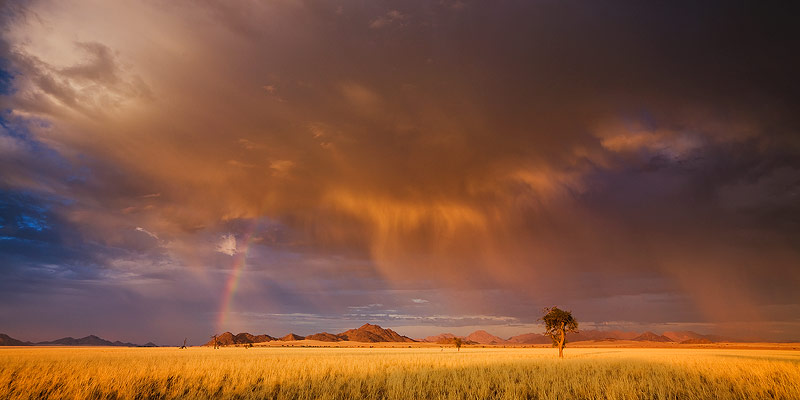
column 558, row 323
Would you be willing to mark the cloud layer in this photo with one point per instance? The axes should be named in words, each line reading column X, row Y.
column 631, row 161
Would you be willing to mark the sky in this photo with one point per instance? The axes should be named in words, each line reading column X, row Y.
column 173, row 169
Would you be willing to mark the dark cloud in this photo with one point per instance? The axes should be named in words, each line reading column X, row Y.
column 636, row 161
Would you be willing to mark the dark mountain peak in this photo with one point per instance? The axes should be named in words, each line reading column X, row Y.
column 483, row 337
column 651, row 337
column 373, row 333
column 6, row 340
column 229, row 339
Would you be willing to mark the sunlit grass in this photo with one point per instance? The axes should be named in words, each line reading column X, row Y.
column 398, row 373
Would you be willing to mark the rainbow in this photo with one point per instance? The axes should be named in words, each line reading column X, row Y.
column 239, row 259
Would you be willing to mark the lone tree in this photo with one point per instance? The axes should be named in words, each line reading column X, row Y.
column 458, row 342
column 557, row 323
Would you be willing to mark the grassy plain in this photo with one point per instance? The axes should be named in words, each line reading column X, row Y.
column 397, row 373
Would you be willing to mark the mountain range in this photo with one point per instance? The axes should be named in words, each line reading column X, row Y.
column 368, row 333
column 483, row 337
column 90, row 340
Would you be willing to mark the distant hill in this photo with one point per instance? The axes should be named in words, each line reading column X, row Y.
column 652, row 337
column 224, row 339
column 229, row 339
column 6, row 340
column 90, row 340
column 324, row 337
column 290, row 337
column 248, row 338
column 483, row 337
column 373, row 334
column 441, row 338
column 530, row 338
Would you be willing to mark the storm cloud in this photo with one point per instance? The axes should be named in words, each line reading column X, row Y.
column 637, row 163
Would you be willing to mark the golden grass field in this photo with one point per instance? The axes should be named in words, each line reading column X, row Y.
column 397, row 373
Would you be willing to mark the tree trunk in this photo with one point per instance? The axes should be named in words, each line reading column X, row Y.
column 561, row 342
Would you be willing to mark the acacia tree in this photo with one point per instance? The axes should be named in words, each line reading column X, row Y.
column 557, row 324
column 457, row 341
